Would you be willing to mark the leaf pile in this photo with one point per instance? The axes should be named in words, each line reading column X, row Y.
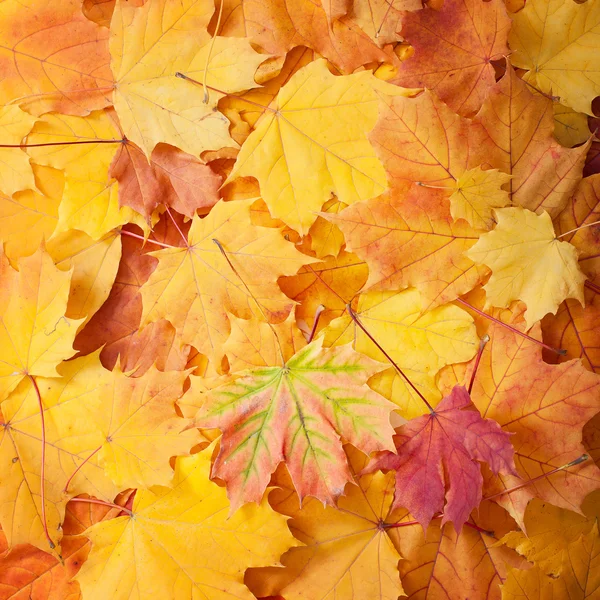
column 299, row 299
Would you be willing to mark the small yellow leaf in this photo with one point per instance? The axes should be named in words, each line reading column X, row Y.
column 476, row 194
column 15, row 124
column 528, row 263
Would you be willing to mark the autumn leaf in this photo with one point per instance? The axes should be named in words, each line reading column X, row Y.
column 318, row 122
column 546, row 411
column 348, row 551
column 513, row 132
column 412, row 241
column 55, row 60
column 169, row 527
column 528, row 263
column 555, row 41
column 453, row 50
column 155, row 105
column 420, row 343
column 296, row 413
column 199, row 311
column 34, row 332
column 436, row 456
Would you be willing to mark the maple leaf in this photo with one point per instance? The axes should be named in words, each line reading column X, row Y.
column 436, row 456
column 528, row 263
column 279, row 25
column 420, row 343
column 348, row 551
column 163, row 542
column 55, row 60
column 145, row 67
column 296, row 413
column 411, row 240
column 171, row 177
column 550, row 530
column 578, row 580
column 318, row 122
column 199, row 311
column 35, row 335
column 513, row 132
column 555, row 40
column 453, row 50
column 17, row 175
column 476, row 196
column 546, row 411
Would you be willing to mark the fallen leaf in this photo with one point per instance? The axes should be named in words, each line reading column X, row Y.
column 436, row 456
column 168, row 527
column 17, row 175
column 318, row 122
column 35, row 335
column 55, row 60
column 555, row 41
column 295, row 413
column 528, row 263
column 453, row 50
column 199, row 311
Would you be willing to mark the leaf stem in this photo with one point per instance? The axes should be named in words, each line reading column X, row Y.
column 214, row 89
column 513, row 329
column 433, row 187
column 318, row 312
column 409, row 523
column 209, row 54
column 43, row 466
column 103, row 503
column 79, row 467
column 262, row 312
column 573, row 463
column 61, row 143
column 141, row 237
column 577, row 229
column 484, row 340
column 177, row 227
column 355, row 318
column 592, row 286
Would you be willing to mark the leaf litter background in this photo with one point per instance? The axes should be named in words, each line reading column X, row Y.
column 243, row 242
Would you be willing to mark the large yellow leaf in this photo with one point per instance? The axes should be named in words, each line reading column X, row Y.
column 528, row 263
column 348, row 552
column 149, row 46
column 557, row 41
column 90, row 202
column 181, row 542
column 311, row 142
column 21, row 459
column 420, row 343
column 35, row 336
column 194, row 287
column 15, row 124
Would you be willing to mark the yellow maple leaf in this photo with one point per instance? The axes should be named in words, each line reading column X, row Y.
column 194, row 287
column 35, row 336
column 155, row 105
column 349, row 552
column 528, row 263
column 557, row 42
column 181, row 543
column 90, row 201
column 421, row 343
column 312, row 142
column 476, row 194
column 17, row 175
